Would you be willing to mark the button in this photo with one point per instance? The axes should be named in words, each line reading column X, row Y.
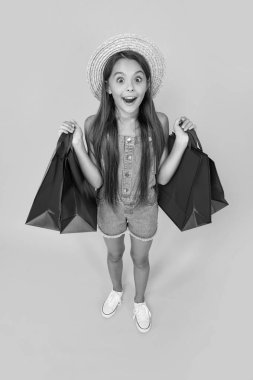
column 129, row 157
column 125, row 190
column 129, row 139
column 127, row 174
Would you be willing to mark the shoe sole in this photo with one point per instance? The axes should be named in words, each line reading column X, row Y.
column 143, row 330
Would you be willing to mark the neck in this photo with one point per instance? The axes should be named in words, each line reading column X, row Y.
column 127, row 127
column 126, row 118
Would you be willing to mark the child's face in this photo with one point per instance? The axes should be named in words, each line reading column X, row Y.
column 127, row 79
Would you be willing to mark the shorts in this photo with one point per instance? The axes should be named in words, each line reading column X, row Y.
column 140, row 221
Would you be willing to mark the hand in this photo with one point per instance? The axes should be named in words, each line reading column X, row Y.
column 72, row 127
column 180, row 130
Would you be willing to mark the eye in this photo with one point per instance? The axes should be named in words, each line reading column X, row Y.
column 139, row 78
column 119, row 78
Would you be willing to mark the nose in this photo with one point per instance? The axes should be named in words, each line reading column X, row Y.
column 130, row 86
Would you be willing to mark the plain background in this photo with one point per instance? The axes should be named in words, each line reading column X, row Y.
column 52, row 286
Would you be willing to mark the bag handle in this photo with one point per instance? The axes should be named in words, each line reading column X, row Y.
column 64, row 144
column 193, row 139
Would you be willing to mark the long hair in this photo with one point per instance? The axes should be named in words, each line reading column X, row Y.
column 104, row 133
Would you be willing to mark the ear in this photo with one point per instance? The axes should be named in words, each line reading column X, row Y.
column 107, row 87
column 149, row 84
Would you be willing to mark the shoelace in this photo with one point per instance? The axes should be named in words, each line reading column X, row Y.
column 142, row 312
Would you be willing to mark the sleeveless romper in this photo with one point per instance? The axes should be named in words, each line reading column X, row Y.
column 141, row 221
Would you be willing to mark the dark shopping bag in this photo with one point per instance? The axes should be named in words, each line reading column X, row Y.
column 217, row 194
column 65, row 200
column 194, row 192
column 218, row 200
column 46, row 208
column 79, row 207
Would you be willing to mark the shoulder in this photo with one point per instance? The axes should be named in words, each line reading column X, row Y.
column 89, row 137
column 165, row 125
column 164, row 120
column 162, row 116
column 87, row 126
column 88, row 122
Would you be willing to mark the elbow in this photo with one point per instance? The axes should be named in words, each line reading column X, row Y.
column 163, row 178
column 160, row 180
column 95, row 183
column 161, row 183
column 99, row 183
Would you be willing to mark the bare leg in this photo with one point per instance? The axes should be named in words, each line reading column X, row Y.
column 139, row 253
column 115, row 250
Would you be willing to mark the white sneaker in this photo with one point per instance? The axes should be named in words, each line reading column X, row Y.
column 111, row 304
column 143, row 316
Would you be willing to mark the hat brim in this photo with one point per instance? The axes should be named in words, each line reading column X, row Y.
column 122, row 42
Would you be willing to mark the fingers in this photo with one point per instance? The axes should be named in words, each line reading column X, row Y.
column 180, row 120
column 74, row 122
column 190, row 126
column 70, row 124
column 187, row 124
column 64, row 130
column 66, row 127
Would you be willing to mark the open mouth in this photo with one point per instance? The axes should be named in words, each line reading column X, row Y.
column 129, row 100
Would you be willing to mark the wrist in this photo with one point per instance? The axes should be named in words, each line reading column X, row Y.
column 78, row 145
column 182, row 142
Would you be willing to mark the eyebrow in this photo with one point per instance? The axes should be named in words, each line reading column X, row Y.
column 120, row 72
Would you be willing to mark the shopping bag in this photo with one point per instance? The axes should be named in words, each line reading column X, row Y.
column 191, row 194
column 217, row 192
column 46, row 207
column 174, row 197
column 78, row 206
column 198, row 212
column 63, row 196
column 218, row 200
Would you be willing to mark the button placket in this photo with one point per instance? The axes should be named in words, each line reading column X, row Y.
column 152, row 157
column 127, row 166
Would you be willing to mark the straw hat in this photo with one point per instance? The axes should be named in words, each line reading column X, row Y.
column 121, row 42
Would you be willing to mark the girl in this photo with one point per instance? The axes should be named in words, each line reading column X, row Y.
column 127, row 157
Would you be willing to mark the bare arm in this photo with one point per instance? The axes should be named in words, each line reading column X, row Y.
column 87, row 160
column 169, row 163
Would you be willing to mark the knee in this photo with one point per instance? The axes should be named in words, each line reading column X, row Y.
column 115, row 256
column 140, row 262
